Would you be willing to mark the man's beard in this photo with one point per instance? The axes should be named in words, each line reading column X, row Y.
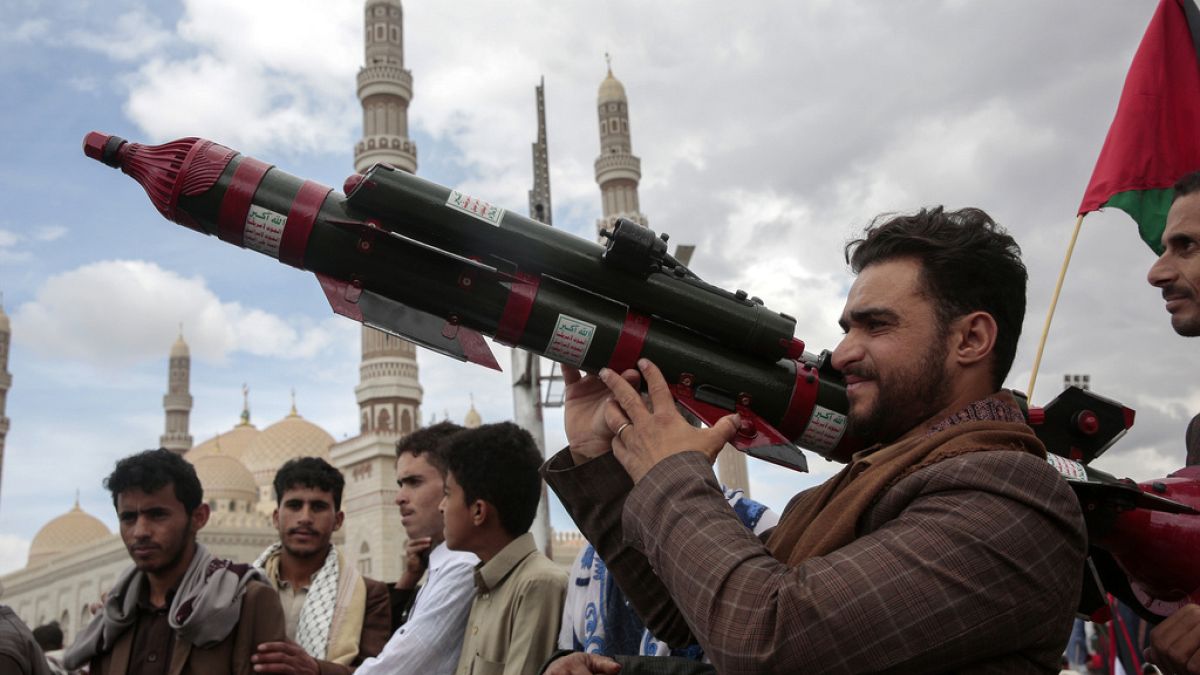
column 903, row 398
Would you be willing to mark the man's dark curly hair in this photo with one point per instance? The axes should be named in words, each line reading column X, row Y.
column 309, row 472
column 1186, row 185
column 150, row 470
column 968, row 264
column 431, row 441
column 498, row 463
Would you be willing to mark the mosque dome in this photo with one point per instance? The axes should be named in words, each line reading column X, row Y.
column 68, row 531
column 232, row 443
column 225, row 478
column 611, row 89
column 289, row 438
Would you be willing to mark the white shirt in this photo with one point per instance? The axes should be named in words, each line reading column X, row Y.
column 430, row 641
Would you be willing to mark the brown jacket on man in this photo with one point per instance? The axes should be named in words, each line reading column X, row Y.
column 261, row 620
column 376, row 630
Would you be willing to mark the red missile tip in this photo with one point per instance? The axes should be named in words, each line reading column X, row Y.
column 103, row 148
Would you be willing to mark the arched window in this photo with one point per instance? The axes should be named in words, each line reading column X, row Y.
column 405, row 421
column 380, row 32
column 385, row 421
column 363, row 429
column 364, row 558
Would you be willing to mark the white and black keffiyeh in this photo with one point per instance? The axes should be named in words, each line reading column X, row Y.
column 316, row 617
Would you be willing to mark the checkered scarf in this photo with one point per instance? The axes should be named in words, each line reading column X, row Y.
column 316, row 617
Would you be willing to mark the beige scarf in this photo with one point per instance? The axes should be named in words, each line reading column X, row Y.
column 340, row 644
column 825, row 519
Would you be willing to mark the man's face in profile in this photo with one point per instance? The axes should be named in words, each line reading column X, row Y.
column 1177, row 270
column 893, row 354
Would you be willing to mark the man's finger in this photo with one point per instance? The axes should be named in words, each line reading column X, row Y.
column 626, row 396
column 275, row 647
column 602, row 664
column 571, row 375
column 656, row 386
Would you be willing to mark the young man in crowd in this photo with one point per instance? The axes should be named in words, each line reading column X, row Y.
column 177, row 609
column 429, row 640
column 334, row 616
column 491, row 497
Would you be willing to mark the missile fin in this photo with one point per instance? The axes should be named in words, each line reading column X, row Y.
column 391, row 317
column 756, row 437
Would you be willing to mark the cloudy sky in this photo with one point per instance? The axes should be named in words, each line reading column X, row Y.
column 769, row 132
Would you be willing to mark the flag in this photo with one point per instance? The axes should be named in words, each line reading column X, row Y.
column 1155, row 136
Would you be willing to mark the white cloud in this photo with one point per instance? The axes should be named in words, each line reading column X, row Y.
column 26, row 31
column 14, row 552
column 280, row 81
column 131, row 36
column 49, row 233
column 9, row 239
column 120, row 312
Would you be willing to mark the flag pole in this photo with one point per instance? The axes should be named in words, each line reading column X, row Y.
column 1062, row 275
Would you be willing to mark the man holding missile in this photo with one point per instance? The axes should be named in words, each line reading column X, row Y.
column 949, row 544
column 1175, row 643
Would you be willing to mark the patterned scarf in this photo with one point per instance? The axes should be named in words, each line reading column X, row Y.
column 316, row 617
column 205, row 610
column 824, row 519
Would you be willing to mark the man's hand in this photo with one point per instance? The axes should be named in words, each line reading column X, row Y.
column 644, row 436
column 284, row 657
column 581, row 663
column 585, row 403
column 1175, row 643
column 416, row 560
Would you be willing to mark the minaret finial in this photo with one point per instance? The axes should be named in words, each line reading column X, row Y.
column 245, row 404
column 608, row 60
column 294, row 413
column 77, row 499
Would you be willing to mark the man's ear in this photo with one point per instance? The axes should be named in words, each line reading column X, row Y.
column 275, row 518
column 200, row 516
column 480, row 512
column 973, row 338
column 338, row 519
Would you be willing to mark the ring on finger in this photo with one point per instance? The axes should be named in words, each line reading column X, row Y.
column 622, row 428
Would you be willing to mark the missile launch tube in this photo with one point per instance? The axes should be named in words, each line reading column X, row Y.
column 464, row 275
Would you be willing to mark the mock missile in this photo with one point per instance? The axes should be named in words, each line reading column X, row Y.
column 442, row 269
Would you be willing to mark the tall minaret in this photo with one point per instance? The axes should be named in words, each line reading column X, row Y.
column 5, row 378
column 177, row 403
column 527, row 369
column 388, row 392
column 618, row 170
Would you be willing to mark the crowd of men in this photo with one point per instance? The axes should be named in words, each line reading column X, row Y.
column 949, row 544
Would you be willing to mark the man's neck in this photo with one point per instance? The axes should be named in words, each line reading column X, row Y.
column 163, row 582
column 298, row 571
column 490, row 543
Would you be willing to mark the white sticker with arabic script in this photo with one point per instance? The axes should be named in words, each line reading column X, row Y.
column 1069, row 468
column 824, row 430
column 471, row 206
column 571, row 339
column 264, row 230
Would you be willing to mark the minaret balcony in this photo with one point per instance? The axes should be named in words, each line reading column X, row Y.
column 398, row 151
column 5, row 380
column 384, row 79
column 622, row 165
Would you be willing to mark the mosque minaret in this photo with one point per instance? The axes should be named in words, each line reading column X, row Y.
column 389, row 393
column 5, row 378
column 177, row 402
column 618, row 170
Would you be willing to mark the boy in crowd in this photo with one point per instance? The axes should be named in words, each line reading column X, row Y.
column 491, row 497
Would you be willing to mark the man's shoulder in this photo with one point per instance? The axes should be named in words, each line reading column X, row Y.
column 538, row 569
column 1015, row 474
column 375, row 586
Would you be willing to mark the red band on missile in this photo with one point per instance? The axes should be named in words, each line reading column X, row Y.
column 300, row 221
column 235, row 205
column 630, row 342
column 800, row 407
column 517, row 309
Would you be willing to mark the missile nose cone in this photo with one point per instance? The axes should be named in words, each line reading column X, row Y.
column 103, row 148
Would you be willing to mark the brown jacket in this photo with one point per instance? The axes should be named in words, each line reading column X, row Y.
column 376, row 630
column 970, row 565
column 261, row 620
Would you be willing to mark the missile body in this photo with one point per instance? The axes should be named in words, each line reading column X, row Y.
column 440, row 268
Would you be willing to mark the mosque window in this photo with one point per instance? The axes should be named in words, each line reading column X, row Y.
column 396, row 34
column 232, row 506
column 385, row 421
column 405, row 421
column 365, row 423
column 380, row 32
column 604, row 126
